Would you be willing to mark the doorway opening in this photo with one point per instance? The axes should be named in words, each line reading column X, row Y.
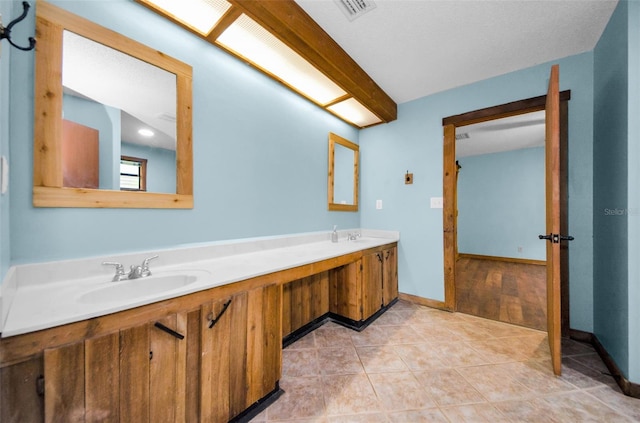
column 452, row 165
column 500, row 269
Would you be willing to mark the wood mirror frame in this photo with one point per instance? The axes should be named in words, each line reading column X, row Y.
column 333, row 140
column 48, row 189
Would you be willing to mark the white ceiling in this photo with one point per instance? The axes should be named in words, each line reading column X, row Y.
column 414, row 48
column 495, row 136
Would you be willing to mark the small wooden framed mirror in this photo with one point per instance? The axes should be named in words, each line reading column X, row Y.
column 343, row 174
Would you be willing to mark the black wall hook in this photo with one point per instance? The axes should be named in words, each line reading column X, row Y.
column 5, row 32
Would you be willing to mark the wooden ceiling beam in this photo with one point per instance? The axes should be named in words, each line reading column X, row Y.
column 293, row 26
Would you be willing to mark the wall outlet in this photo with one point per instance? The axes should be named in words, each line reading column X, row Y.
column 519, row 249
column 378, row 204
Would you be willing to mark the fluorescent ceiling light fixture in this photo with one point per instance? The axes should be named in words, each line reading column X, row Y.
column 246, row 38
column 353, row 111
column 146, row 132
column 201, row 15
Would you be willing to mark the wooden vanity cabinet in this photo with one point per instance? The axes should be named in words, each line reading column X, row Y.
column 136, row 374
column 379, row 279
column 175, row 368
column 363, row 288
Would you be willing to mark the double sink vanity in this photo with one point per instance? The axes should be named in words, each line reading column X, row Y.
column 200, row 339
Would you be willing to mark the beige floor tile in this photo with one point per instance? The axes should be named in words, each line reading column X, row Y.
column 467, row 331
column 390, row 318
column 419, row 356
column 618, row 401
column 579, row 406
column 306, row 342
column 332, row 335
column 534, row 411
column 571, row 347
column 448, row 387
column 435, row 333
column 495, row 383
column 373, row 335
column 582, row 376
column 474, row 413
column 360, row 418
column 349, row 394
column 459, row 354
column 416, row 364
column 432, row 415
column 339, row 361
column 299, row 363
column 592, row 361
column 303, row 398
column 400, row 391
column 381, row 358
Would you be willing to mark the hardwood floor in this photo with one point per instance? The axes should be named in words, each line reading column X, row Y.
column 499, row 290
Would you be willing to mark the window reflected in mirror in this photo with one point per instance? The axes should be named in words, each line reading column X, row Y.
column 343, row 174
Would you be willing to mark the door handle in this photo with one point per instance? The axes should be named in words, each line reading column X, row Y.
column 556, row 238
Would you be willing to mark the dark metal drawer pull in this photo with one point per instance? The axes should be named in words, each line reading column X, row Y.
column 168, row 330
column 215, row 320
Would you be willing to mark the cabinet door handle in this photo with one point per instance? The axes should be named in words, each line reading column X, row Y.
column 387, row 256
column 215, row 320
column 169, row 330
column 379, row 257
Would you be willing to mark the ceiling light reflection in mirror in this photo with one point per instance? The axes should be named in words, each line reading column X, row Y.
column 199, row 15
column 248, row 39
column 118, row 80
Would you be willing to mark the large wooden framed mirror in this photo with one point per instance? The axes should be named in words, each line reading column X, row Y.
column 94, row 90
column 343, row 174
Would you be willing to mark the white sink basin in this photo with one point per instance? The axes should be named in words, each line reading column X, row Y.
column 144, row 287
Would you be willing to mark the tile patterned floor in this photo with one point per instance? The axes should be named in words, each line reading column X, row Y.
column 416, row 364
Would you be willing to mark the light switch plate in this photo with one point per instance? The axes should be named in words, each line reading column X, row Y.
column 378, row 204
column 4, row 174
column 436, row 202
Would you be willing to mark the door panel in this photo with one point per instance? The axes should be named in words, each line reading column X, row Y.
column 552, row 158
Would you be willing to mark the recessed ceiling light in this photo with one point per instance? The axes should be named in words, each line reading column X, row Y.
column 145, row 132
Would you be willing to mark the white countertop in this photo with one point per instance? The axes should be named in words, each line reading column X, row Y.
column 41, row 296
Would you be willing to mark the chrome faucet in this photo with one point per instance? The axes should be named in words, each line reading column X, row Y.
column 353, row 236
column 135, row 272
column 141, row 271
column 120, row 275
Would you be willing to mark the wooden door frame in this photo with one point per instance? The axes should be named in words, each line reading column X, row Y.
column 450, row 124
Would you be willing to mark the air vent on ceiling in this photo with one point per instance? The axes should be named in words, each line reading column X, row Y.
column 462, row 136
column 355, row 8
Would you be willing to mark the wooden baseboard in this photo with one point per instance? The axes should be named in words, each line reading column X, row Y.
column 506, row 259
column 440, row 305
column 628, row 388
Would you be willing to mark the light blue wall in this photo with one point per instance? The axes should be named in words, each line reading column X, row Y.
column 610, row 189
column 161, row 166
column 633, row 167
column 6, row 9
column 260, row 156
column 501, row 204
column 414, row 143
column 106, row 120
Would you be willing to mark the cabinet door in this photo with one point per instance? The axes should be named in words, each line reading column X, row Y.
column 19, row 399
column 136, row 375
column 153, row 371
column 390, row 277
column 372, row 283
column 241, row 352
